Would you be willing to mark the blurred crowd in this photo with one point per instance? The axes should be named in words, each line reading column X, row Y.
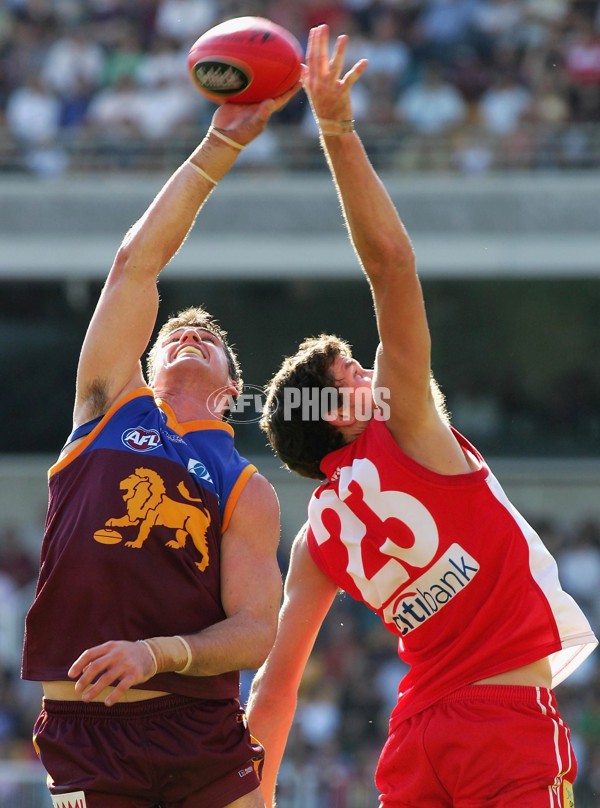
column 348, row 690
column 466, row 85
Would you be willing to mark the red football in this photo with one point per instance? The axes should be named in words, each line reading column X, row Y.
column 245, row 60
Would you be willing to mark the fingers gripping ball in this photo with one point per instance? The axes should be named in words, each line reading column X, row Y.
column 245, row 60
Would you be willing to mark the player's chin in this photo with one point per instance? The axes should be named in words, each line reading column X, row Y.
column 190, row 357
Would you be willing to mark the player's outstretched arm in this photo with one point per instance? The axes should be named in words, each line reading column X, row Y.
column 122, row 324
column 376, row 231
column 272, row 704
column 385, row 252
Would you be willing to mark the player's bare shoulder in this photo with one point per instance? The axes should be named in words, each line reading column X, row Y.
column 258, row 488
column 257, row 505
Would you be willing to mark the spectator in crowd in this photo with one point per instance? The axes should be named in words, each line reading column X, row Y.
column 541, row 18
column 389, row 64
column 431, row 109
column 126, row 115
column 330, row 12
column 24, row 53
column 549, row 106
column 74, row 110
column 504, row 106
column 387, row 53
column 582, row 66
column 125, row 57
column 164, row 60
column 33, row 115
column 470, row 73
column 113, row 111
column 502, row 110
column 496, row 22
column 74, row 61
column 473, row 42
column 443, row 26
column 431, row 106
column 184, row 20
column 161, row 109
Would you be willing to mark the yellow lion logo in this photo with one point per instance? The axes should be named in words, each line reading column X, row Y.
column 147, row 505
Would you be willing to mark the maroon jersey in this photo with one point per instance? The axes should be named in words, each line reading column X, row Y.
column 132, row 540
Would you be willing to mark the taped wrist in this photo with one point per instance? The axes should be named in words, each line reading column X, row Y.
column 171, row 653
column 332, row 127
column 226, row 139
column 214, row 156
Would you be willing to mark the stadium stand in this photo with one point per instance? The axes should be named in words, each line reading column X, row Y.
column 466, row 88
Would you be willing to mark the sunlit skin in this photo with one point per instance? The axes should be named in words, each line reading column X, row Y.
column 191, row 380
column 192, row 365
column 350, row 376
column 191, row 376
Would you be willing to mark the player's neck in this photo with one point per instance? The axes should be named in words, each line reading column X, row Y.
column 188, row 406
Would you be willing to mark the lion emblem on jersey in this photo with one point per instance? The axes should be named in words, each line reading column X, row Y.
column 147, row 505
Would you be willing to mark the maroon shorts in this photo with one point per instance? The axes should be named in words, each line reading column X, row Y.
column 167, row 752
column 485, row 746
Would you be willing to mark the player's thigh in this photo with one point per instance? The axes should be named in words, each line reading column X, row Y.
column 252, row 800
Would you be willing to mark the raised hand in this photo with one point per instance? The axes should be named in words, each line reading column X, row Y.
column 328, row 91
column 244, row 122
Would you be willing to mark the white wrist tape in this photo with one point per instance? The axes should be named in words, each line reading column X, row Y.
column 188, row 650
column 222, row 136
column 152, row 654
column 201, row 171
column 331, row 127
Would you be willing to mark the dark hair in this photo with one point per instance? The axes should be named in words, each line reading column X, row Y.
column 299, row 442
column 195, row 317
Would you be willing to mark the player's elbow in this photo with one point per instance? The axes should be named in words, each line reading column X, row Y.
column 262, row 641
column 131, row 260
column 389, row 258
column 272, row 693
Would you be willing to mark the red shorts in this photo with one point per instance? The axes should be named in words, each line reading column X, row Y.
column 484, row 746
column 167, row 752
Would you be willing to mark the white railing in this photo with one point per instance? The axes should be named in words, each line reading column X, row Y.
column 391, row 146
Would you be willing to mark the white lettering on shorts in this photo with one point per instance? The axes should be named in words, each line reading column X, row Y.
column 76, row 799
column 247, row 770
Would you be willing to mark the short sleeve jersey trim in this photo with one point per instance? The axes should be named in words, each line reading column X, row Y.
column 143, row 559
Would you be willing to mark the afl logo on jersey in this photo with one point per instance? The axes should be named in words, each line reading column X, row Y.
column 140, row 439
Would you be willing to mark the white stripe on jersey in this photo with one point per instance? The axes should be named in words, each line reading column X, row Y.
column 576, row 635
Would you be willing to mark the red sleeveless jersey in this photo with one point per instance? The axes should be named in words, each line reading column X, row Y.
column 133, row 538
column 448, row 564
